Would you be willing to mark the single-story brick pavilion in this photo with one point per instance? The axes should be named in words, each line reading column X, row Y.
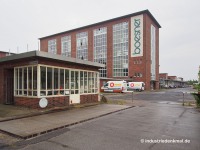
column 27, row 78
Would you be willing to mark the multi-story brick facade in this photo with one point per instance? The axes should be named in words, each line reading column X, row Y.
column 127, row 45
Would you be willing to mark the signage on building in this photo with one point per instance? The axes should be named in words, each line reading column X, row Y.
column 137, row 36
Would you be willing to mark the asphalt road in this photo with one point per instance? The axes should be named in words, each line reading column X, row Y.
column 169, row 95
column 157, row 125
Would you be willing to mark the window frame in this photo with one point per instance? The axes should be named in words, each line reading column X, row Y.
column 37, row 93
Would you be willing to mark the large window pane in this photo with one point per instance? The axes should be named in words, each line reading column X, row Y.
column 66, row 46
column 52, row 48
column 66, row 82
column 82, row 45
column 55, row 78
column 89, row 82
column 92, row 82
column 25, row 81
column 49, row 80
column 16, row 81
column 20, row 81
column 120, row 50
column 96, row 83
column 100, row 48
column 30, row 81
column 35, row 81
column 81, row 82
column 43, row 78
column 62, row 81
column 85, row 82
column 35, row 77
column 72, row 82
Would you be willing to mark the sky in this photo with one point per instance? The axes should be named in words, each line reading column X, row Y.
column 22, row 22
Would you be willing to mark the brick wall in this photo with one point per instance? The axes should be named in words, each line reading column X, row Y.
column 90, row 98
column 1, row 85
column 34, row 102
column 2, row 54
column 163, row 75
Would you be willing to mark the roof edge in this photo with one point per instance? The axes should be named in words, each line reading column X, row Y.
column 94, row 24
column 50, row 56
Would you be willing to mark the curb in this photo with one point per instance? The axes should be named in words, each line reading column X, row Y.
column 61, row 127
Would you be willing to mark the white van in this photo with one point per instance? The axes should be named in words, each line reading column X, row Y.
column 137, row 86
column 115, row 86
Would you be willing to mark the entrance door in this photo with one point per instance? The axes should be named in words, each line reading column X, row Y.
column 75, row 94
column 9, row 86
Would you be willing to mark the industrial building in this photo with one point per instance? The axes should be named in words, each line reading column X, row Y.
column 171, row 81
column 128, row 46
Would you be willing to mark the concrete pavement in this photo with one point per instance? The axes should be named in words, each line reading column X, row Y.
column 33, row 126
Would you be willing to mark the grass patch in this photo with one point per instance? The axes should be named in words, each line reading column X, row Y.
column 190, row 104
column 115, row 102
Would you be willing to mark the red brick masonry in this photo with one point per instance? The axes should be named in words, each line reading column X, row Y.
column 53, row 101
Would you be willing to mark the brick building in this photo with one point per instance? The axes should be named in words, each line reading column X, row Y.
column 171, row 81
column 127, row 45
column 4, row 54
column 34, row 78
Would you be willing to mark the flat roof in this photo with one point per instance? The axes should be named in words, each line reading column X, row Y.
column 47, row 55
column 126, row 16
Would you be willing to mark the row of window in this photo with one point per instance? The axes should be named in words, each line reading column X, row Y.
column 120, row 48
column 47, row 81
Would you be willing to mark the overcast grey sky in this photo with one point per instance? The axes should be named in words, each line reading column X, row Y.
column 22, row 22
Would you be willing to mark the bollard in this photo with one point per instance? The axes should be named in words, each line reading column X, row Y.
column 183, row 99
column 132, row 97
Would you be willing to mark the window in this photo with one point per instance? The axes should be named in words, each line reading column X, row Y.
column 61, row 87
column 100, row 49
column 81, row 82
column 153, row 52
column 66, row 46
column 25, row 81
column 120, row 50
column 52, row 46
column 34, row 81
column 82, row 45
column 30, row 83
column 53, row 81
column 67, row 80
column 43, row 82
column 49, row 80
column 85, row 82
column 138, row 75
column 74, row 82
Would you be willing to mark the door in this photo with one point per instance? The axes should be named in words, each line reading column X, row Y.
column 9, row 86
column 75, row 92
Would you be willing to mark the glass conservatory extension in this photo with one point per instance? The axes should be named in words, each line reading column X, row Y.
column 48, row 81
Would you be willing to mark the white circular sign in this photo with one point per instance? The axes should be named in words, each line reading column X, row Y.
column 43, row 103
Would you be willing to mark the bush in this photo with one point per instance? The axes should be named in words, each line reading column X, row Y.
column 197, row 98
column 197, row 87
column 104, row 99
